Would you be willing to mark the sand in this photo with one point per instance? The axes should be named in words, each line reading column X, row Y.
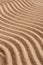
column 21, row 32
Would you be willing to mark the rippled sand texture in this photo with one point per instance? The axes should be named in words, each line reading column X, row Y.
column 21, row 32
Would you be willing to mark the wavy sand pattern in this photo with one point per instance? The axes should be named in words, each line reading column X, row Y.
column 21, row 32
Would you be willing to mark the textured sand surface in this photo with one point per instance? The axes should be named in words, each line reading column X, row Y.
column 21, row 32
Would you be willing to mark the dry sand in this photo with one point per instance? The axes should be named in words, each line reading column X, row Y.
column 21, row 32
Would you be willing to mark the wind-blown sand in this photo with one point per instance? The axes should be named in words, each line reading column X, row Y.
column 21, row 32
